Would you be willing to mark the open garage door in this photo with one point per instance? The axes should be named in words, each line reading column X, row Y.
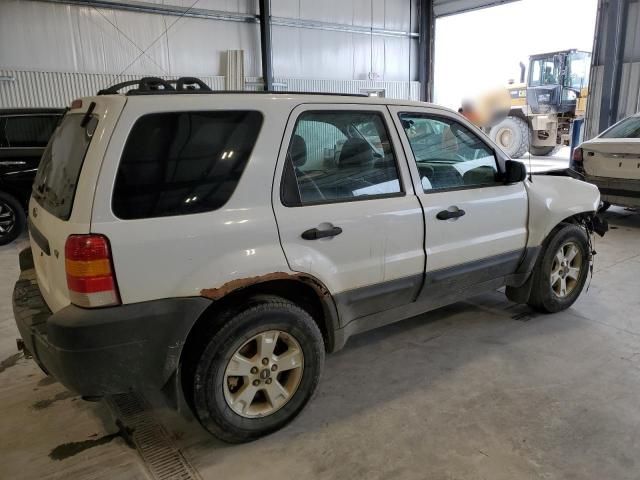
column 451, row 7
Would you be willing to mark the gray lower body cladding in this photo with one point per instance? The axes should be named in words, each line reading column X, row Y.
column 96, row 352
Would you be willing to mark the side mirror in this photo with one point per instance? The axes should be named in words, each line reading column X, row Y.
column 514, row 171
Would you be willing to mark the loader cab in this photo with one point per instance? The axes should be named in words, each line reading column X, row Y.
column 557, row 81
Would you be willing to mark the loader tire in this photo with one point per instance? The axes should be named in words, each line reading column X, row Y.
column 512, row 135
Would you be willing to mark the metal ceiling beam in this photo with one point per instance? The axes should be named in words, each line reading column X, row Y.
column 444, row 8
column 265, row 44
column 175, row 10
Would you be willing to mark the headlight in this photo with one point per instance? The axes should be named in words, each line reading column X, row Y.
column 571, row 95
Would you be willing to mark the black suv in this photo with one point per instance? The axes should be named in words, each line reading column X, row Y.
column 24, row 134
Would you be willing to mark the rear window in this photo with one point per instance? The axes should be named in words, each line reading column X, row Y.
column 181, row 163
column 55, row 184
column 627, row 128
column 24, row 131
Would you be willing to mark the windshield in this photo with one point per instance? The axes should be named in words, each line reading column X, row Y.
column 578, row 66
column 544, row 71
column 55, row 184
column 627, row 128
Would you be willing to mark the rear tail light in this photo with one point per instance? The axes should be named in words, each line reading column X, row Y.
column 90, row 276
column 577, row 158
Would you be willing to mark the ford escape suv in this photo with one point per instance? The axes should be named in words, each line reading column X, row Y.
column 216, row 245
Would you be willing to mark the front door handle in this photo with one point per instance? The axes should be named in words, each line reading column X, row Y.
column 314, row 233
column 447, row 214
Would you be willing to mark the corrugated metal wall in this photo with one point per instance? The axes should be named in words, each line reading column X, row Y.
column 81, row 38
column 625, row 83
column 24, row 89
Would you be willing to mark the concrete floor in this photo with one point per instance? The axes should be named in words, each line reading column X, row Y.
column 483, row 389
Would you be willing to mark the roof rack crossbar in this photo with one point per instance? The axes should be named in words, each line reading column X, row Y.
column 157, row 86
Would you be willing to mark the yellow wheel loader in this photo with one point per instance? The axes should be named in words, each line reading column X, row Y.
column 543, row 107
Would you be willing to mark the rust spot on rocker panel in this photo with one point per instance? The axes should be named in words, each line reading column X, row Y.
column 239, row 283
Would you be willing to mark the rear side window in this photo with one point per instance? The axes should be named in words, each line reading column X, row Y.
column 180, row 163
column 627, row 128
column 24, row 131
column 55, row 184
column 339, row 156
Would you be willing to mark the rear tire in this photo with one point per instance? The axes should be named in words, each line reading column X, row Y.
column 239, row 406
column 12, row 218
column 512, row 135
column 543, row 151
column 561, row 273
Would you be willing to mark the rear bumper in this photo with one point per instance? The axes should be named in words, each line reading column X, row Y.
column 97, row 352
column 618, row 191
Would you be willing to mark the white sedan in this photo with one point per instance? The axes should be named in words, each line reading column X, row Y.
column 611, row 161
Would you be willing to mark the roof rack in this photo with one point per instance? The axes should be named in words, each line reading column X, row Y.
column 154, row 85
column 158, row 86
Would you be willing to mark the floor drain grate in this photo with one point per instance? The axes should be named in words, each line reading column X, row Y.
column 163, row 460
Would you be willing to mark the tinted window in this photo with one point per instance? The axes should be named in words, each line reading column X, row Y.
column 627, row 128
column 448, row 154
column 183, row 162
column 339, row 156
column 28, row 130
column 55, row 183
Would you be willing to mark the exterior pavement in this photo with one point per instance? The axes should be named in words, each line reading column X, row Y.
column 483, row 389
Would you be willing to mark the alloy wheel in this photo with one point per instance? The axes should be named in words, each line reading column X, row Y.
column 7, row 218
column 565, row 269
column 263, row 374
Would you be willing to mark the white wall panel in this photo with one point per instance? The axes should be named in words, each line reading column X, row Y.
column 53, row 37
column 342, row 55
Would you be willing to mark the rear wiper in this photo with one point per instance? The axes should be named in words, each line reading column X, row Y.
column 87, row 115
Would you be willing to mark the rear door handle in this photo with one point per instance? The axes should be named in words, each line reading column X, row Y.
column 314, row 233
column 447, row 214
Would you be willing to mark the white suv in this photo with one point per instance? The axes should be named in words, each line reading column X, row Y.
column 215, row 245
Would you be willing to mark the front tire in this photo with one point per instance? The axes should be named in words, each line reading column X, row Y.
column 512, row 134
column 559, row 277
column 12, row 218
column 258, row 371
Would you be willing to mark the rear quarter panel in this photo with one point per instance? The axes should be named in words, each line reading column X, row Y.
column 181, row 256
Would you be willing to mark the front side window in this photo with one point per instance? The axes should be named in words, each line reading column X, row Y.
column 339, row 156
column 448, row 155
column 28, row 131
column 180, row 163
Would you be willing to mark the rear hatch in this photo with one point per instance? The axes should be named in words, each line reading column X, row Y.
column 62, row 194
column 613, row 158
